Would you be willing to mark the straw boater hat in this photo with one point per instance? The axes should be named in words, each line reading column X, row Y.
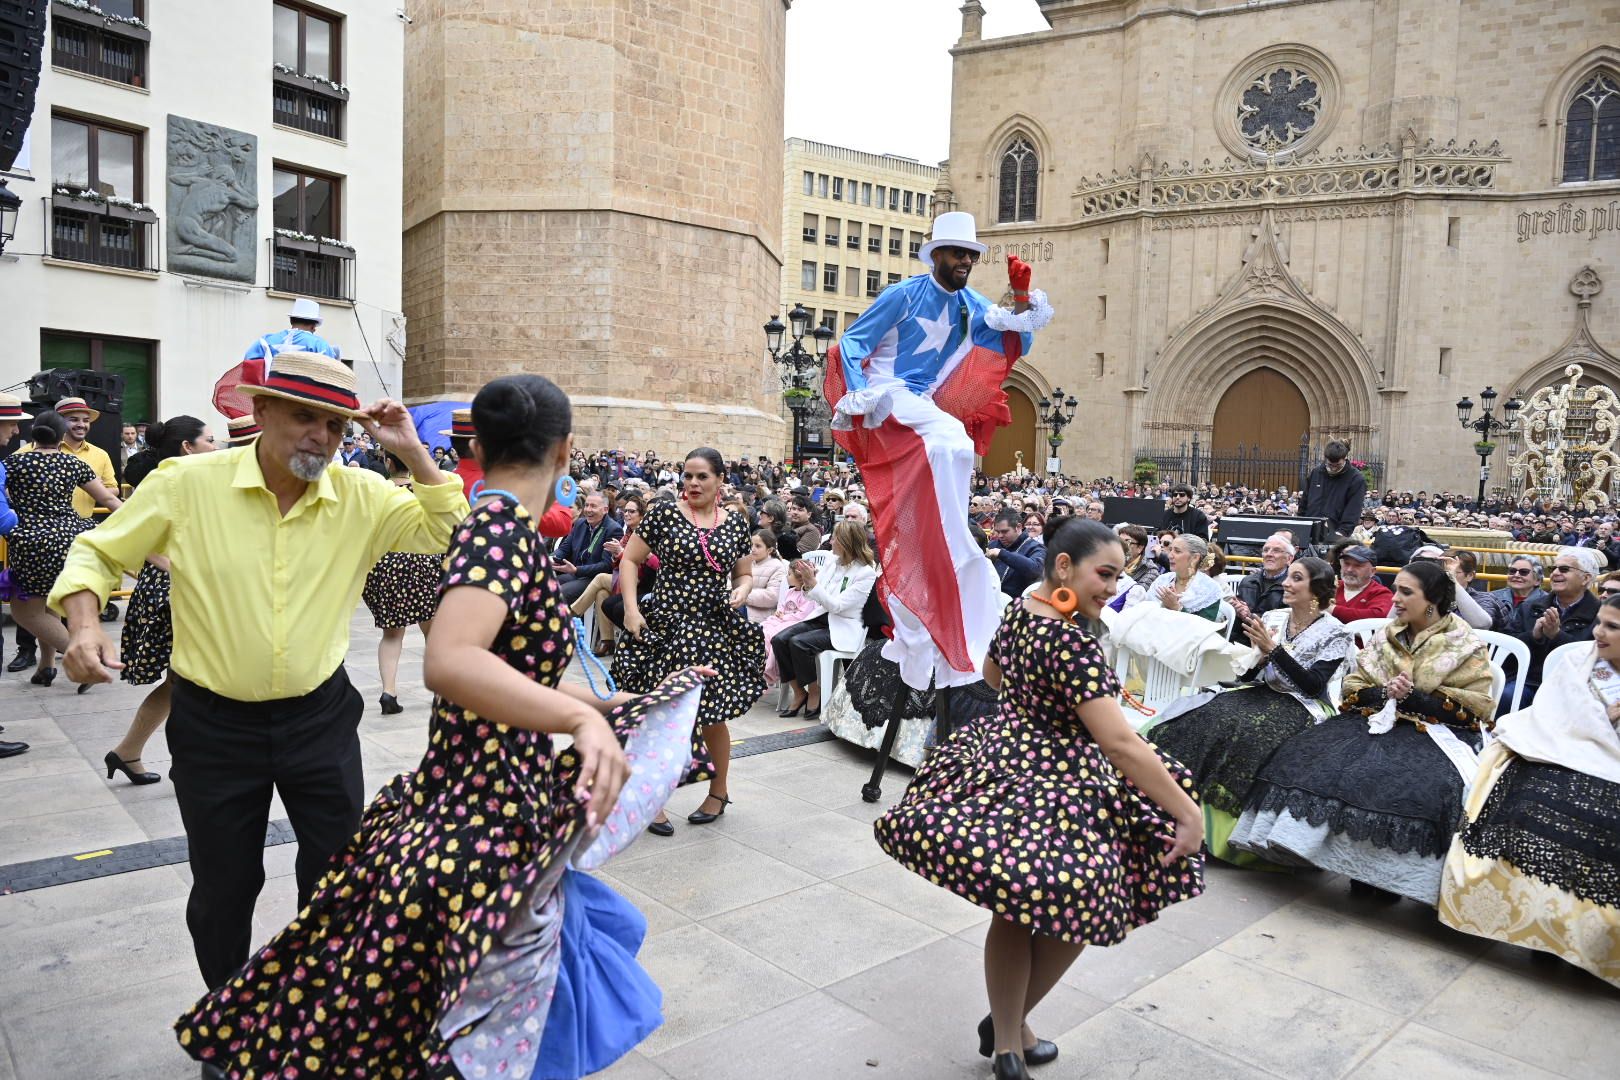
column 244, row 429
column 11, row 408
column 309, row 379
column 76, row 404
column 461, row 425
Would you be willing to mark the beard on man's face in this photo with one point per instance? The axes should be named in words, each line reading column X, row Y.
column 306, row 466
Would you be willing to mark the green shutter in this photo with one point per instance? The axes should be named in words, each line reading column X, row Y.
column 60, row 351
column 132, row 360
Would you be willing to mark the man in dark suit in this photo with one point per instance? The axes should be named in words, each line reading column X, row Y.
column 1567, row 614
column 1019, row 559
column 581, row 555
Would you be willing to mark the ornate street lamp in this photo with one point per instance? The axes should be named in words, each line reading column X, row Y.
column 1487, row 426
column 799, row 365
column 1058, row 413
column 10, row 204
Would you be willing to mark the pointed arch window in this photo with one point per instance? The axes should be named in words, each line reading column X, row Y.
column 1019, row 181
column 1592, row 131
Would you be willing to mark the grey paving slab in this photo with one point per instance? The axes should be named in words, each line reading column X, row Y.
column 1271, row 1020
column 1545, row 1022
column 826, row 845
column 69, row 832
column 898, row 889
column 1113, row 972
column 123, row 1034
column 703, row 880
column 813, row 1037
column 659, row 916
column 1421, row 1053
column 1116, row 1045
column 22, row 798
column 1389, row 971
column 823, row 933
column 43, row 909
column 1232, row 901
column 61, row 963
column 634, row 1066
column 709, row 983
column 829, row 784
column 935, row 995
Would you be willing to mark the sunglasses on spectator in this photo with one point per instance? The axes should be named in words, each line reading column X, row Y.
column 1518, row 571
column 1610, row 590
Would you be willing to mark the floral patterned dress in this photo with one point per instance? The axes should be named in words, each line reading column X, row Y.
column 403, row 589
column 445, row 858
column 148, row 638
column 40, row 485
column 1023, row 814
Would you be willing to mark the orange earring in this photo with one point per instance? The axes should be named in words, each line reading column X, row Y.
column 1062, row 600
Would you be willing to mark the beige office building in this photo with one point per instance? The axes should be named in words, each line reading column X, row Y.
column 1277, row 223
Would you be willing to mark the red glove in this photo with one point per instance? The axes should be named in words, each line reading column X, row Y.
column 1018, row 274
column 556, row 522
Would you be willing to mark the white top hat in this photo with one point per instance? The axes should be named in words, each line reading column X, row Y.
column 955, row 229
column 306, row 310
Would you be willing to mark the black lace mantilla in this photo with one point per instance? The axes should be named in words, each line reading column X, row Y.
column 1556, row 825
column 1403, row 836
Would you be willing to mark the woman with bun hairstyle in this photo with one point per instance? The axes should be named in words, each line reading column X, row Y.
column 431, row 947
column 40, row 483
column 1374, row 793
column 401, row 591
column 148, row 631
column 1052, row 813
column 694, row 616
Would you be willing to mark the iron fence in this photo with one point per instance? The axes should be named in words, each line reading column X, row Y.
column 1251, row 467
column 102, row 53
column 310, row 273
column 309, row 110
column 88, row 237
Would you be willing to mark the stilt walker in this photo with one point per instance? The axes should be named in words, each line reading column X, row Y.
column 915, row 389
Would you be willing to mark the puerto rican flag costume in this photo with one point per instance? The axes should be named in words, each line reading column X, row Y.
column 915, row 387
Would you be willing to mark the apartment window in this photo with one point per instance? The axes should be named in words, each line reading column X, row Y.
column 308, row 93
column 874, row 282
column 922, row 205
column 852, row 235
column 880, row 190
column 866, row 194
column 809, row 183
column 829, row 278
column 96, row 211
column 916, row 244
column 832, row 231
column 894, row 199
column 849, row 319
column 132, row 358
column 94, row 44
column 906, row 201
column 309, row 257
column 807, row 276
column 874, row 240
column 838, row 188
column 821, row 184
column 811, row 221
column 896, row 238
column 829, row 319
column 852, row 281
column 893, row 278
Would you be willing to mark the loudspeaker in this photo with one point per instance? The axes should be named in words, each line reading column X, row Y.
column 22, row 52
column 1144, row 512
column 1240, row 534
column 101, row 390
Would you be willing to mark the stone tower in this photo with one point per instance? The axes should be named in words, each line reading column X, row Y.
column 593, row 192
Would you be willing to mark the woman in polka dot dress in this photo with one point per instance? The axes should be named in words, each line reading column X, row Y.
column 1052, row 813
column 369, row 979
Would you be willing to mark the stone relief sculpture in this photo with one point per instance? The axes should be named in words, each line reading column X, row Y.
column 213, row 200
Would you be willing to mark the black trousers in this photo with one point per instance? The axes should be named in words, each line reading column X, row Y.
column 228, row 758
column 796, row 648
column 613, row 608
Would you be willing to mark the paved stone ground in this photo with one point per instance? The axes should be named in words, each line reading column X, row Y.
column 789, row 947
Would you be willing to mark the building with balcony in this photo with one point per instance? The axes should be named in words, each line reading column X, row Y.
column 851, row 226
column 1266, row 225
column 192, row 169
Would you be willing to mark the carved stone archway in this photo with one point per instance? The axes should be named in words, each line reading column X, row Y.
column 1264, row 318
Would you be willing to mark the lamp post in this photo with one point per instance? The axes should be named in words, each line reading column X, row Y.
column 1486, row 426
column 1058, row 413
column 798, row 363
column 10, row 204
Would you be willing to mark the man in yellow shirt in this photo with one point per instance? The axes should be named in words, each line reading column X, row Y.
column 270, row 544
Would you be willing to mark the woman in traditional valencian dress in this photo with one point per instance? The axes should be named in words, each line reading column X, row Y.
column 1375, row 792
column 1536, row 862
column 695, row 617
column 415, row 958
column 1053, row 813
column 1225, row 740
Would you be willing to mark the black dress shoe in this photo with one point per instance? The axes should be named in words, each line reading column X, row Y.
column 1042, row 1052
column 25, row 659
column 662, row 828
column 110, row 612
column 44, row 677
column 701, row 816
column 12, row 749
column 391, row 705
column 117, row 764
column 1010, row 1066
column 784, row 713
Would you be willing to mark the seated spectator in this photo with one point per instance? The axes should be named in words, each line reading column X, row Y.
column 582, row 555
column 1463, row 566
column 841, row 594
column 1566, row 615
column 1215, row 562
column 799, row 511
column 793, row 606
column 603, row 590
column 1524, row 575
column 1359, row 595
column 1183, row 588
column 1609, row 585
column 1261, row 591
column 770, row 574
column 832, row 509
column 1138, row 567
column 1018, row 557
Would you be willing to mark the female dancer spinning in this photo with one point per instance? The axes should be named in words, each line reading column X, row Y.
column 1072, row 834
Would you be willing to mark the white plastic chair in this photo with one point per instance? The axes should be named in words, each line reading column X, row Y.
column 1365, row 630
column 1227, row 619
column 1501, row 647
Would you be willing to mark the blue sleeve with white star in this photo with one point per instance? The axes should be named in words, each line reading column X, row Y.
column 886, row 313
